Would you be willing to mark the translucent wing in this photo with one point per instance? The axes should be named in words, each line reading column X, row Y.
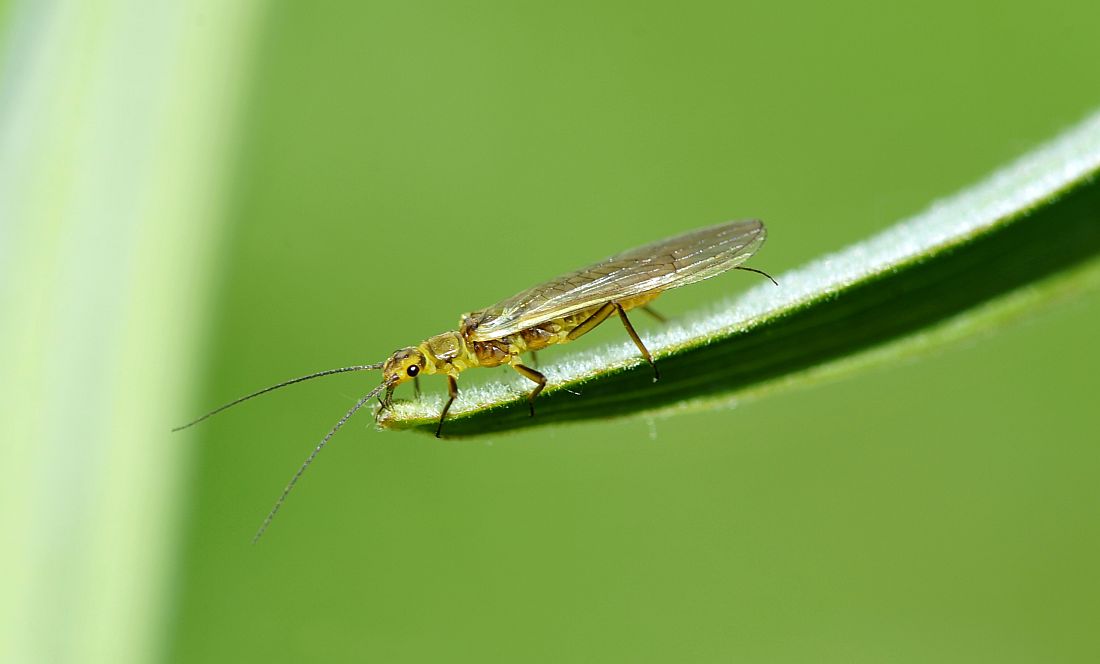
column 677, row 261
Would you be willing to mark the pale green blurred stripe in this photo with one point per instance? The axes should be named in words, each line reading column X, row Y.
column 117, row 126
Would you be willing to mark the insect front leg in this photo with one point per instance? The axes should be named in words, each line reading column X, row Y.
column 531, row 374
column 387, row 401
column 452, row 389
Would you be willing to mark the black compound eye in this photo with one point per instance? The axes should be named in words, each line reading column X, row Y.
column 413, row 370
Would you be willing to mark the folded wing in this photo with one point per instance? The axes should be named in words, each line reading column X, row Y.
column 670, row 263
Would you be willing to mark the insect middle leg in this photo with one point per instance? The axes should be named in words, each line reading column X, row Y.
column 531, row 374
column 452, row 389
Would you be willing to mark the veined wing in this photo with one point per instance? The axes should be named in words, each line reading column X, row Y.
column 670, row 263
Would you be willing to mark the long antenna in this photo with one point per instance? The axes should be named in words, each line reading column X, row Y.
column 310, row 458
column 328, row 372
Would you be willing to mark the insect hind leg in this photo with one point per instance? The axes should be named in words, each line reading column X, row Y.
column 654, row 313
column 600, row 316
column 590, row 323
column 637, row 340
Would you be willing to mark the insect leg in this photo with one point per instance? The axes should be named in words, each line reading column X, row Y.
column 534, row 358
column 653, row 312
column 452, row 388
column 637, row 340
column 531, row 374
column 387, row 401
column 592, row 321
column 416, row 387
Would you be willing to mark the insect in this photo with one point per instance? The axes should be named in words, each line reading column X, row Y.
column 556, row 312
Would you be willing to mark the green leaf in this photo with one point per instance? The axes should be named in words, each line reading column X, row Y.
column 117, row 128
column 1024, row 237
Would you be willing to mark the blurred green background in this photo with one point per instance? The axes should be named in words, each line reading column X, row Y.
column 396, row 164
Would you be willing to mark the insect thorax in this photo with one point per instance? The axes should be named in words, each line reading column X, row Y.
column 450, row 352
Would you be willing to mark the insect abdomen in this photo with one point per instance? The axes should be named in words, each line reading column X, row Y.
column 540, row 336
column 491, row 353
column 495, row 352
